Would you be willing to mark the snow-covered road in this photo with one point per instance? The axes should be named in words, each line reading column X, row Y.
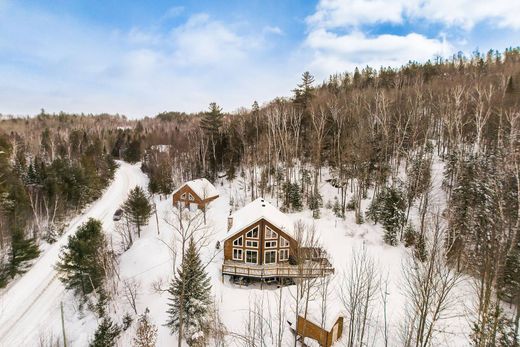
column 31, row 306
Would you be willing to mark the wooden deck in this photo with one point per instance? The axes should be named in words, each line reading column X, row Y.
column 310, row 269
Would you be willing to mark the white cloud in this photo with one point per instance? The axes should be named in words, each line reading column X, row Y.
column 273, row 30
column 341, row 13
column 467, row 13
column 337, row 53
column 461, row 13
column 339, row 30
column 203, row 41
column 64, row 64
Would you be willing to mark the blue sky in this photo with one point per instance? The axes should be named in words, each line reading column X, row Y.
column 143, row 57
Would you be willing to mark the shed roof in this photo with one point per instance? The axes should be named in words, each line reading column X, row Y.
column 202, row 187
column 324, row 315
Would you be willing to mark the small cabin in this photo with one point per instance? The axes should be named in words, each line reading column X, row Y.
column 261, row 244
column 321, row 322
column 195, row 194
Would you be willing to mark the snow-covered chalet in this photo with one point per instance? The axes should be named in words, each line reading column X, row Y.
column 195, row 194
column 261, row 244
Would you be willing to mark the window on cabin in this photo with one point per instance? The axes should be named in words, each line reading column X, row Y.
column 253, row 233
column 270, row 234
column 284, row 254
column 183, row 196
column 284, row 242
column 251, row 257
column 190, row 197
column 270, row 244
column 239, row 241
column 252, row 244
column 270, row 257
column 237, row 254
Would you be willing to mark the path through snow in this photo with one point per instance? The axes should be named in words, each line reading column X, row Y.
column 31, row 306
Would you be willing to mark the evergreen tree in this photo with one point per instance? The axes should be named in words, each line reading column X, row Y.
column 509, row 282
column 22, row 251
column 409, row 236
column 303, row 93
column 146, row 333
column 211, row 122
column 137, row 208
column 190, row 300
column 315, row 202
column 388, row 208
column 80, row 267
column 132, row 153
column 106, row 334
column 293, row 197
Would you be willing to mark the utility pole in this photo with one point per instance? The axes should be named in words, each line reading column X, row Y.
column 63, row 325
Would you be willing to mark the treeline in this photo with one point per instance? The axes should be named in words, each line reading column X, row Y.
column 45, row 178
column 379, row 132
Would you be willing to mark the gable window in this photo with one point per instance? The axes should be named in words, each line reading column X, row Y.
column 270, row 234
column 190, row 197
column 239, row 241
column 253, row 233
column 270, row 257
column 252, row 244
column 284, row 254
column 251, row 257
column 284, row 242
column 237, row 254
column 183, row 196
column 270, row 244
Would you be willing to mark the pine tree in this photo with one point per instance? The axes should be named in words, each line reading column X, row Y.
column 210, row 123
column 106, row 334
column 22, row 251
column 190, row 300
column 509, row 282
column 137, row 208
column 80, row 266
column 303, row 94
column 132, row 153
column 388, row 208
column 146, row 333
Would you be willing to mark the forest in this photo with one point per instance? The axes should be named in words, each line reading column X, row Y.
column 375, row 132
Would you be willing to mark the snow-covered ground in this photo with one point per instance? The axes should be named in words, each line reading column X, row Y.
column 31, row 307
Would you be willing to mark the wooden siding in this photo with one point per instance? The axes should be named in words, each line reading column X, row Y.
column 261, row 224
column 306, row 328
column 176, row 198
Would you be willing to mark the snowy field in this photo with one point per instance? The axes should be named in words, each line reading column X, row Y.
column 30, row 309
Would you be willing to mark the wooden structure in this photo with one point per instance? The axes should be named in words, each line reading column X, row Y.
column 260, row 245
column 195, row 194
column 326, row 335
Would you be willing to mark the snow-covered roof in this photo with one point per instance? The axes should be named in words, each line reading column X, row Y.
column 202, row 187
column 323, row 315
column 257, row 210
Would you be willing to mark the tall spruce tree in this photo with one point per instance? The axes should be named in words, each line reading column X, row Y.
column 190, row 299
column 137, row 208
column 80, row 267
column 211, row 122
column 388, row 208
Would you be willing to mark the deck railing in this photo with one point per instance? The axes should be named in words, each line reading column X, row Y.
column 309, row 269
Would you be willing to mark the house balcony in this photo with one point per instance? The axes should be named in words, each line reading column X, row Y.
column 307, row 269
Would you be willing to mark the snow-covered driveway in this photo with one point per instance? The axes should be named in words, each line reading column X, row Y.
column 32, row 304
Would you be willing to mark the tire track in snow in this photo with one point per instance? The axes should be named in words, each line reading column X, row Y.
column 38, row 306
